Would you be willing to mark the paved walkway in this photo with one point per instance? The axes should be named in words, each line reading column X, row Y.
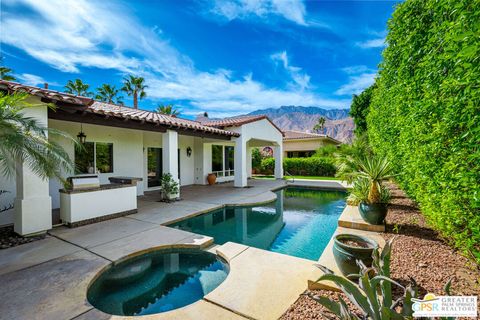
column 48, row 279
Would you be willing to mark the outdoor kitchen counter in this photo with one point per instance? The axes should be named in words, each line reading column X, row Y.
column 107, row 186
column 124, row 180
column 83, row 206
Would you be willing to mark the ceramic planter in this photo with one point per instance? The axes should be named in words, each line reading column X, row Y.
column 373, row 213
column 211, row 178
column 346, row 254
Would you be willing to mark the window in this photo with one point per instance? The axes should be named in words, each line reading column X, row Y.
column 229, row 161
column 217, row 160
column 223, row 160
column 104, row 157
column 93, row 155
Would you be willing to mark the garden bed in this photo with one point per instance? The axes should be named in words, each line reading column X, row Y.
column 418, row 251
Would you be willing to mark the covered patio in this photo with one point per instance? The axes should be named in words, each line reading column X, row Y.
column 135, row 145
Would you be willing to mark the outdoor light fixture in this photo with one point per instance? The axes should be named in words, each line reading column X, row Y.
column 189, row 152
column 81, row 136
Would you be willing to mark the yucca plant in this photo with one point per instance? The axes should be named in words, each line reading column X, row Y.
column 373, row 293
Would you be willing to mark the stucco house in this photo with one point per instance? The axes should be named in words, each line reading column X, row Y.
column 125, row 142
column 298, row 144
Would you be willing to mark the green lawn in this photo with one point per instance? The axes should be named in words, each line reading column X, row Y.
column 297, row 177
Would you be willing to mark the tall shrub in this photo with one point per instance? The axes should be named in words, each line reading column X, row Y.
column 425, row 113
column 314, row 166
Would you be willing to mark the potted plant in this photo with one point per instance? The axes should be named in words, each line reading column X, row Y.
column 168, row 187
column 348, row 248
column 367, row 174
column 211, row 178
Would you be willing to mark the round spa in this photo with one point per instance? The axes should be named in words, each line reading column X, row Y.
column 157, row 281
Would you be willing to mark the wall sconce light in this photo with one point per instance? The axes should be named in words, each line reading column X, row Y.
column 189, row 152
column 81, row 136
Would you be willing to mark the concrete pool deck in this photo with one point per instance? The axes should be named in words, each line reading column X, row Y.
column 48, row 279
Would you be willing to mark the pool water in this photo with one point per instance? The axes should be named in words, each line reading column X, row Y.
column 156, row 282
column 299, row 223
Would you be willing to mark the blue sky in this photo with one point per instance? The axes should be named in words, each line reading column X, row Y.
column 224, row 57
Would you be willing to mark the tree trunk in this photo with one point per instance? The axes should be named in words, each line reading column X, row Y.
column 374, row 194
column 135, row 100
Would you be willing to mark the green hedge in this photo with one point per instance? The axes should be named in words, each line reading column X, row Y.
column 425, row 113
column 314, row 166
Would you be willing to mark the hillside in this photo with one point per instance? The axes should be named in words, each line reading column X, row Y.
column 338, row 124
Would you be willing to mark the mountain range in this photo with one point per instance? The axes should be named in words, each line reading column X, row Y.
column 338, row 124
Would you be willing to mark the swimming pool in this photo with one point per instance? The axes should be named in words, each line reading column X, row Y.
column 299, row 223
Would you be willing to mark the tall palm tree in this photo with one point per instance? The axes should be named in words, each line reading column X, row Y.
column 25, row 140
column 78, row 88
column 168, row 110
column 134, row 86
column 108, row 93
column 320, row 124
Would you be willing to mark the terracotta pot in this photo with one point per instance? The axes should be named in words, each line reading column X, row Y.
column 211, row 178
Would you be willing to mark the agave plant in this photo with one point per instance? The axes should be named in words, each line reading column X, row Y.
column 373, row 293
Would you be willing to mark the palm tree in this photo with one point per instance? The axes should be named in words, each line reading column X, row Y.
column 4, row 72
column 168, row 110
column 320, row 124
column 371, row 168
column 134, row 86
column 108, row 93
column 26, row 140
column 78, row 88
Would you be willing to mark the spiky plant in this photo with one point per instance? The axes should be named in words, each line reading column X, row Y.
column 108, row 93
column 135, row 86
column 168, row 110
column 78, row 87
column 373, row 293
column 24, row 139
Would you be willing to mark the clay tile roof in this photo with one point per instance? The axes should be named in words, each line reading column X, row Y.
column 293, row 135
column 113, row 110
column 149, row 116
column 45, row 93
column 237, row 121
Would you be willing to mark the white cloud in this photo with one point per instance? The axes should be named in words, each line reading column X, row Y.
column 292, row 10
column 67, row 36
column 356, row 84
column 356, row 69
column 373, row 43
column 301, row 79
column 31, row 79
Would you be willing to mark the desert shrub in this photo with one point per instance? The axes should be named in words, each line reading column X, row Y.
column 425, row 113
column 314, row 166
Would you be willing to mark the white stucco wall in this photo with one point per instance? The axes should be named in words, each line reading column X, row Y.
column 128, row 155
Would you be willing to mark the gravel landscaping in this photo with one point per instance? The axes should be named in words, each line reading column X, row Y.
column 8, row 238
column 418, row 252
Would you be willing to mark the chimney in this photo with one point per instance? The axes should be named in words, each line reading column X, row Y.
column 45, row 85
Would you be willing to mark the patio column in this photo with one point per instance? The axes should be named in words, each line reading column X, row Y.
column 33, row 205
column 240, row 162
column 278, row 155
column 170, row 154
column 249, row 162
